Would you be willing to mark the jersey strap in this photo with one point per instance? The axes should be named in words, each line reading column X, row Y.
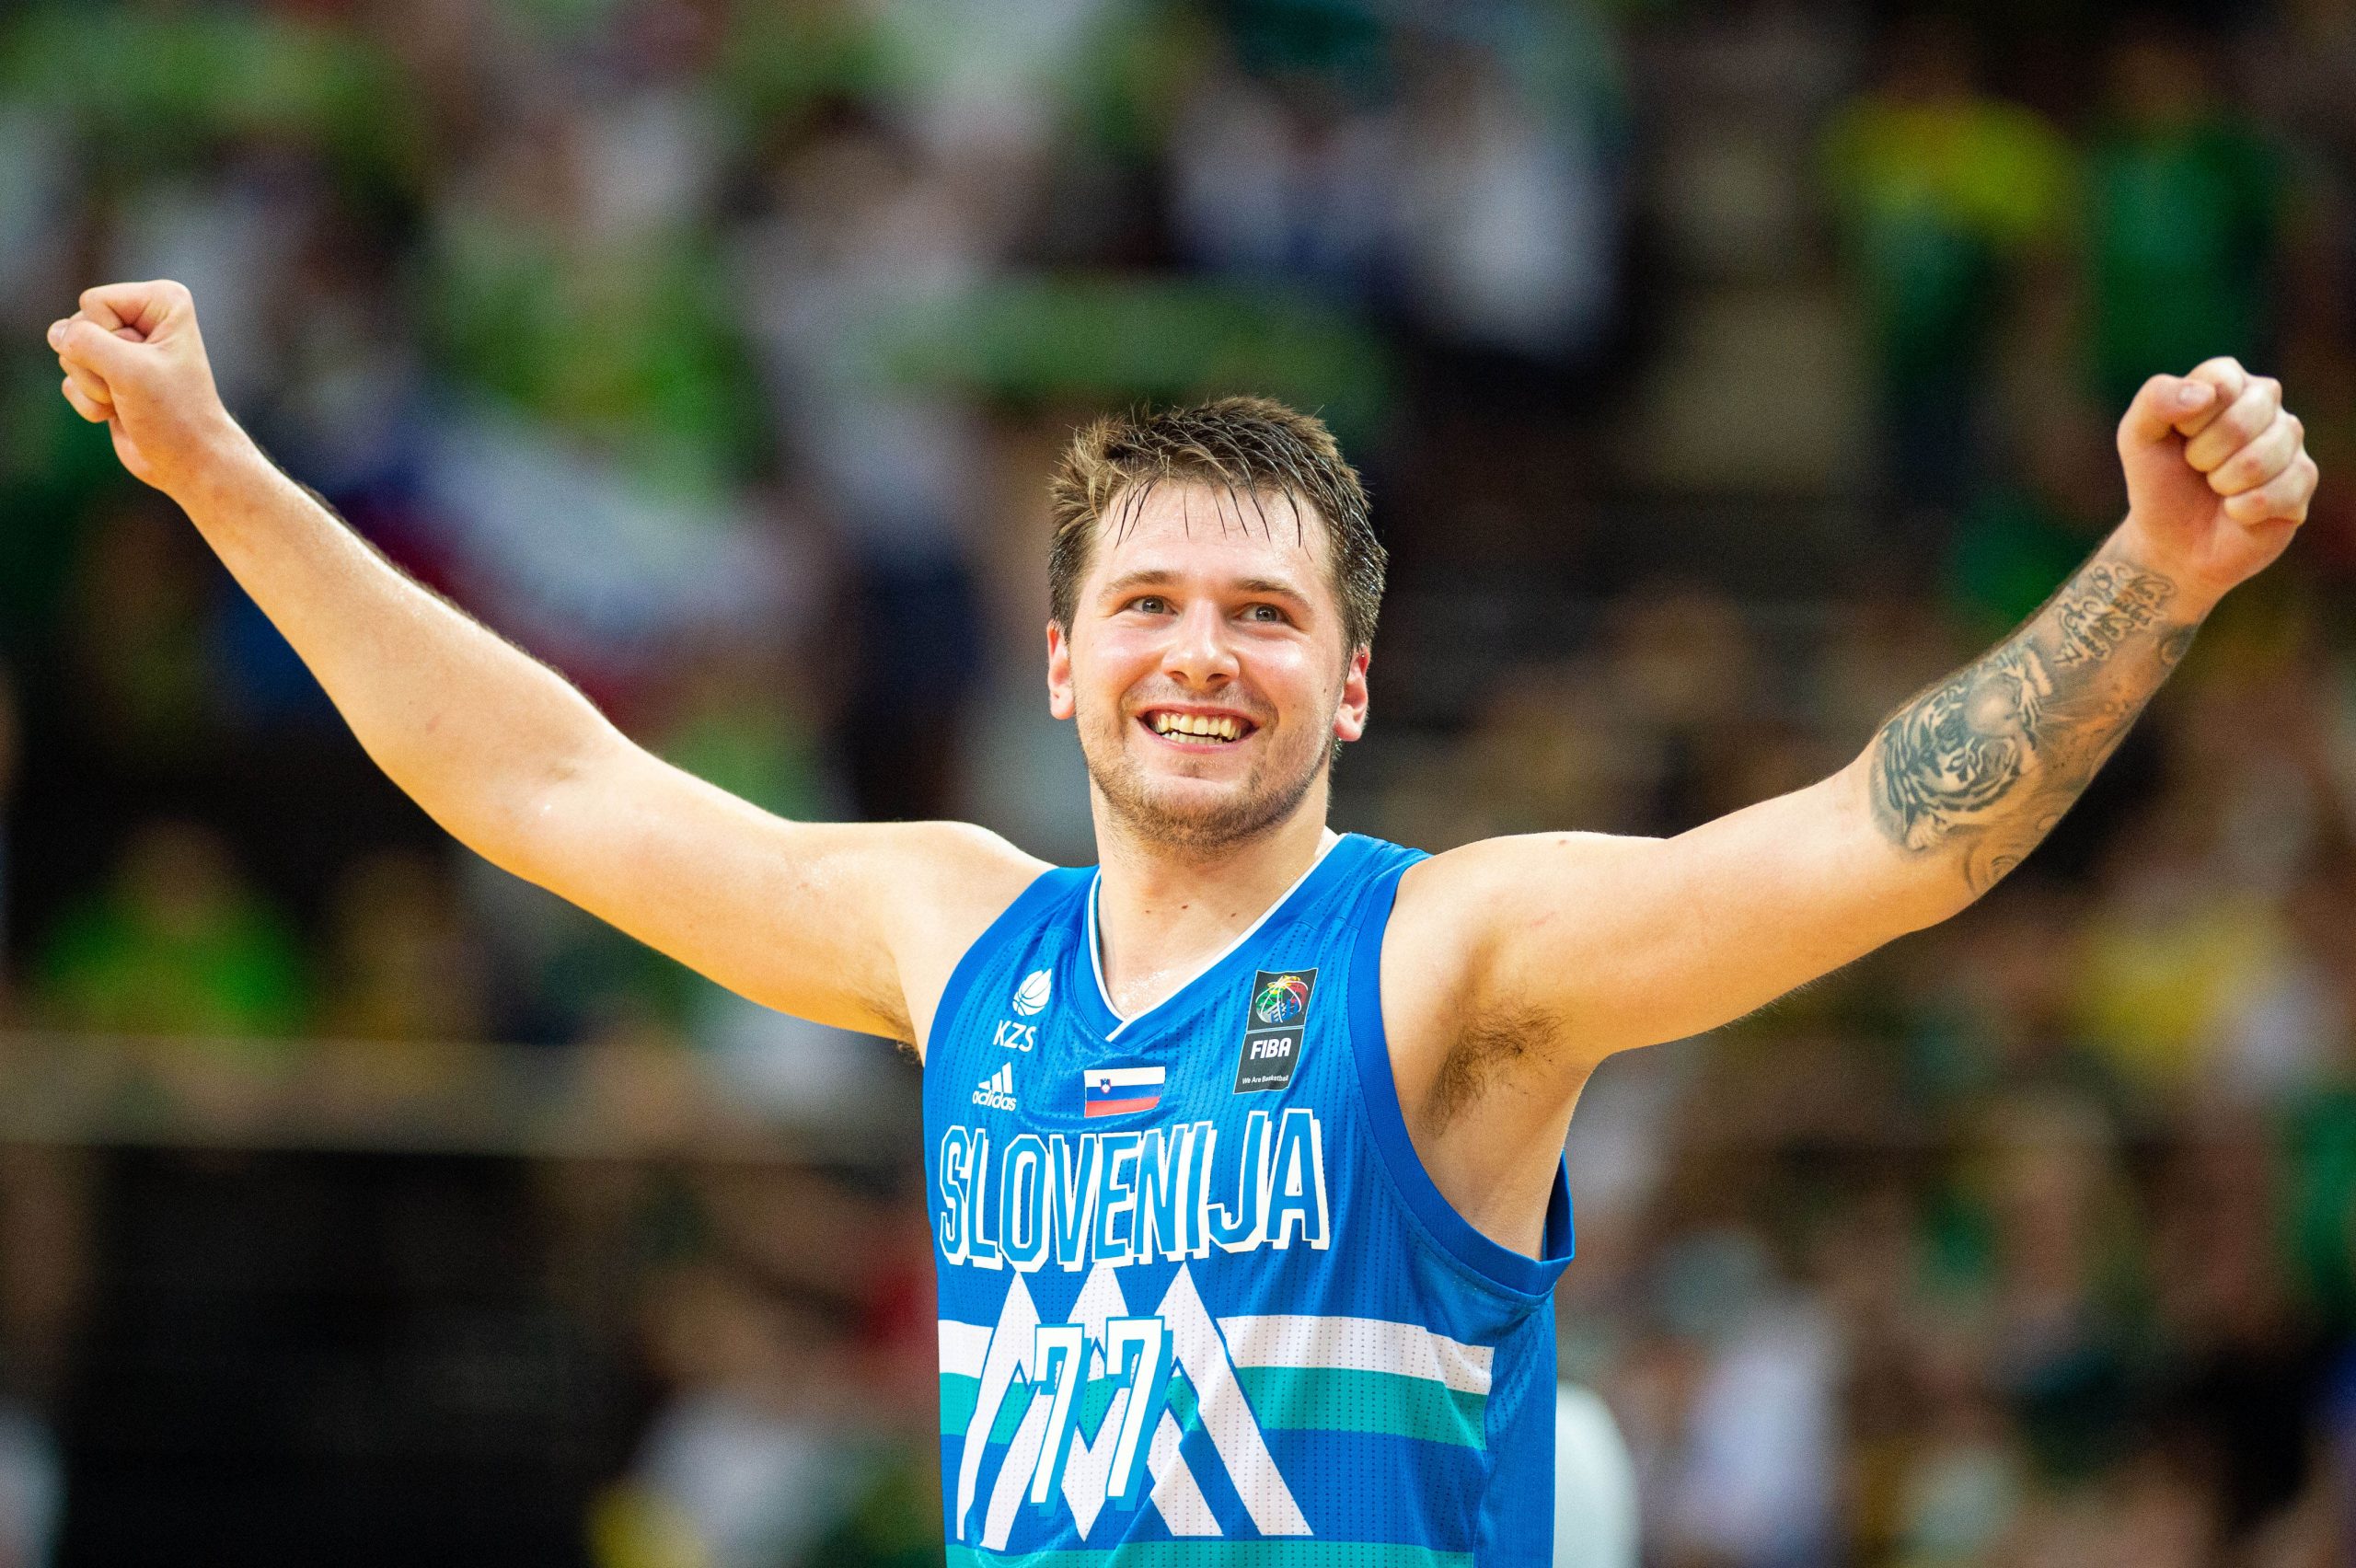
column 1017, row 920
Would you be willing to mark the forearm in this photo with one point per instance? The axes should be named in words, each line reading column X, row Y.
column 469, row 727
column 1971, row 774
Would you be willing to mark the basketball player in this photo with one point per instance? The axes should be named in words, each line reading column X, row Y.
column 1243, row 1147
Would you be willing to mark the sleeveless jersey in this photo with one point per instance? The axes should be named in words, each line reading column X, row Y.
column 1200, row 1303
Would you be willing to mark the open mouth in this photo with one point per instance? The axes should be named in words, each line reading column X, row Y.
column 1207, row 731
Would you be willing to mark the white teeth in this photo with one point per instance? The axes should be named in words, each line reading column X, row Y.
column 1219, row 728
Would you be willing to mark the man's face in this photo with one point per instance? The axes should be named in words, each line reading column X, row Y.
column 1205, row 665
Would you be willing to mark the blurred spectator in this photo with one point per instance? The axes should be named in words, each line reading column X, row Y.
column 859, row 231
column 2049, row 497
column 1286, row 179
column 2171, row 955
column 743, row 713
column 568, row 284
column 8, row 733
column 44, row 1260
column 2245, row 1359
column 1736, row 1464
column 401, row 963
column 1966, row 1480
column 31, row 1490
column 745, row 1468
column 177, row 944
column 717, row 353
column 1508, row 217
column 1595, row 1485
column 2185, row 204
column 137, row 634
column 1949, row 200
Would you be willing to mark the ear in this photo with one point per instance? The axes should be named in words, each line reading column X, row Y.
column 1349, row 718
column 1060, row 702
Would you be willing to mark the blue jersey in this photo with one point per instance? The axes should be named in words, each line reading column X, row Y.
column 1200, row 1304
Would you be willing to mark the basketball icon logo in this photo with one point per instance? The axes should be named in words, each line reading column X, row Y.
column 1032, row 995
column 1281, row 1001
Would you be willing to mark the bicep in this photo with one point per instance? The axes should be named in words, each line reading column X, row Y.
column 1632, row 942
column 854, row 924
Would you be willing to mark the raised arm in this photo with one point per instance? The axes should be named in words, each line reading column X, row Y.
column 1575, row 945
column 853, row 925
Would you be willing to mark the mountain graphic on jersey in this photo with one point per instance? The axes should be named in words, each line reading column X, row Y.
column 1110, row 1413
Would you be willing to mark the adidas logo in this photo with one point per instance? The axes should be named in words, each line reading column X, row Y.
column 996, row 1090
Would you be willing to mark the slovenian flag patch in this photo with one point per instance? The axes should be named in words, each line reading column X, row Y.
column 1119, row 1091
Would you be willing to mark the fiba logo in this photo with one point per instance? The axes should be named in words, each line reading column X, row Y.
column 1281, row 1001
column 1032, row 995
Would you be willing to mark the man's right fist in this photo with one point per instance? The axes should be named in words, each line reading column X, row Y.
column 134, row 362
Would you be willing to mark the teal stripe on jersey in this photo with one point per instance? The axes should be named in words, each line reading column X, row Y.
column 958, row 1395
column 1011, row 1414
column 1184, row 1405
column 1223, row 1554
column 1095, row 1399
column 1304, row 1399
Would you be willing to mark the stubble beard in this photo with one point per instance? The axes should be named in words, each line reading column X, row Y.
column 1268, row 794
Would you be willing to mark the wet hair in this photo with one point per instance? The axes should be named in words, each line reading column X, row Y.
column 1276, row 467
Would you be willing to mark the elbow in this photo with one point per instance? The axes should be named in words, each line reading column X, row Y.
column 515, row 816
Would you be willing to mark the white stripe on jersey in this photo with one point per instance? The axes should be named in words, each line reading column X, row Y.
column 1358, row 1344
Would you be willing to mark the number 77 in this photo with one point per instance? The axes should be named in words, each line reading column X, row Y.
column 1138, row 1350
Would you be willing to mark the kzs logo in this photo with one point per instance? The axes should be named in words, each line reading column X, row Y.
column 1030, row 1000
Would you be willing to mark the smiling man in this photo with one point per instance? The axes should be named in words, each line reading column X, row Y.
column 1243, row 1148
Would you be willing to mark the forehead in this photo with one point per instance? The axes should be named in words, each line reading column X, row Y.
column 1189, row 527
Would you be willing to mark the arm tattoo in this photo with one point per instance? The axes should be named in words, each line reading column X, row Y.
column 1979, row 767
column 2103, row 607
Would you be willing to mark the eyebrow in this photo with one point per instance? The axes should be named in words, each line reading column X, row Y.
column 1157, row 578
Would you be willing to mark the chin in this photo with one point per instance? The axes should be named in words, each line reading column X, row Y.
column 1159, row 799
column 1182, row 799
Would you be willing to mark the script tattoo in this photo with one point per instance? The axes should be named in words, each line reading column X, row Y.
column 1983, row 764
column 2103, row 606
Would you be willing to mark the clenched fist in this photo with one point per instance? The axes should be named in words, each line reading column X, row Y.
column 134, row 362
column 2218, row 476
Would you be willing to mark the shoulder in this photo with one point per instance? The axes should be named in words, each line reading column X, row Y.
column 1471, row 896
column 956, row 857
column 940, row 885
column 1480, row 935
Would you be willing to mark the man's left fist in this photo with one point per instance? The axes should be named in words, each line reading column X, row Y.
column 2218, row 476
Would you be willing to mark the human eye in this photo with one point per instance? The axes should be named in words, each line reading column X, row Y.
column 1266, row 615
column 1149, row 603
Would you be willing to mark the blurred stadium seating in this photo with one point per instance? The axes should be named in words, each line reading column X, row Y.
column 1722, row 370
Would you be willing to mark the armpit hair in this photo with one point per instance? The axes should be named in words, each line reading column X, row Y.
column 903, row 1030
column 1491, row 1045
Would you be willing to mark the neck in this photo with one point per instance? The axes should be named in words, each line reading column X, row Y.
column 1160, row 911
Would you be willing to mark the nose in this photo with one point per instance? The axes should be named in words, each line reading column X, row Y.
column 1199, row 655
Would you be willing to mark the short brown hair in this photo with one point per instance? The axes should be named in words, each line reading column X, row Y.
column 1250, row 447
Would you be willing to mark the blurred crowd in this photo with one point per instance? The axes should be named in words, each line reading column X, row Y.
column 1722, row 371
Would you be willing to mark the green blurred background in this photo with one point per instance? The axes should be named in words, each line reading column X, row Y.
column 1721, row 371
